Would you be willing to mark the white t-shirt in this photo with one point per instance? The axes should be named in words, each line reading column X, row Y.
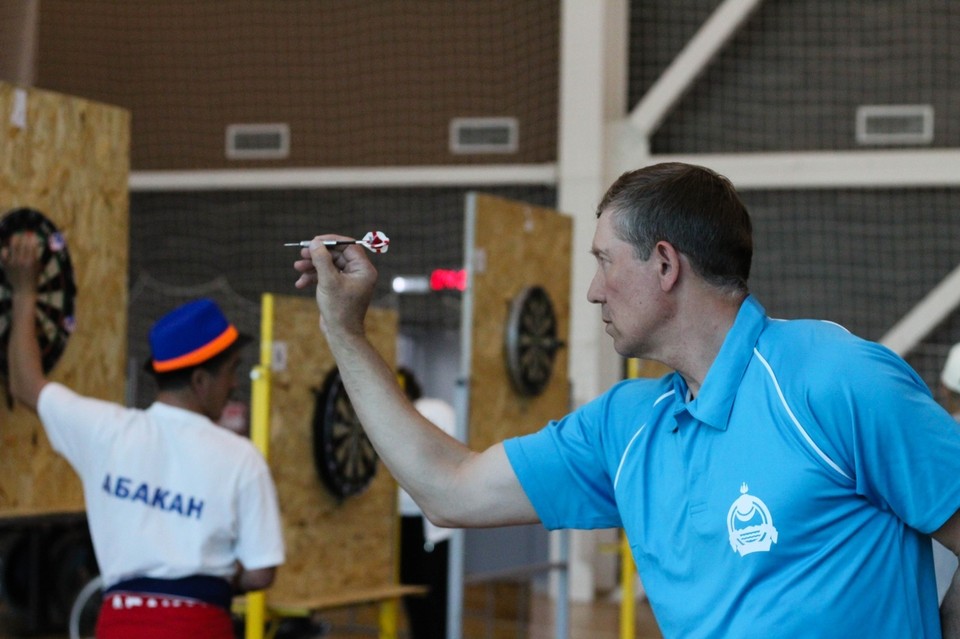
column 168, row 493
column 944, row 561
column 944, row 565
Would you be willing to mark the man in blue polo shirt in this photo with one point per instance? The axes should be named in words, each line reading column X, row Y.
column 784, row 482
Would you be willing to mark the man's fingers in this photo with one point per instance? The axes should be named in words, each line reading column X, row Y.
column 305, row 280
column 23, row 247
column 320, row 262
column 304, row 266
column 21, row 250
column 328, row 261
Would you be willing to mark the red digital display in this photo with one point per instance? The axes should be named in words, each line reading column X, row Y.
column 448, row 279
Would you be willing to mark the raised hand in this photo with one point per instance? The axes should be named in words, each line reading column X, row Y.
column 344, row 278
column 21, row 262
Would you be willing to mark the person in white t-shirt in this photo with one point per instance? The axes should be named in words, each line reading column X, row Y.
column 183, row 513
column 424, row 547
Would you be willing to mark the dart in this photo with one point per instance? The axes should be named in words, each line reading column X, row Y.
column 375, row 241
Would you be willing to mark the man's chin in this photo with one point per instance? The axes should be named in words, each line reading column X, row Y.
column 622, row 347
column 623, row 351
column 618, row 344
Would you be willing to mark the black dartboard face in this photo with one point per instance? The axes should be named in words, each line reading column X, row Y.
column 531, row 341
column 344, row 456
column 56, row 289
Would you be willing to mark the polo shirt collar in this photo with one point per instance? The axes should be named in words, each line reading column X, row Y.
column 714, row 403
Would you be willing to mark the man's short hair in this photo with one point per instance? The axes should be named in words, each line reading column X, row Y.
column 693, row 208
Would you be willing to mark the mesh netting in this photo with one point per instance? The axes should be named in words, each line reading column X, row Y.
column 358, row 83
column 862, row 258
column 229, row 245
column 368, row 83
column 792, row 77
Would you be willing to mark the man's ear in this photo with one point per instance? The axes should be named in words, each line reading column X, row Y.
column 668, row 264
column 199, row 380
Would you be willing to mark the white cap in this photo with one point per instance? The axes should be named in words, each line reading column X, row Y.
column 951, row 370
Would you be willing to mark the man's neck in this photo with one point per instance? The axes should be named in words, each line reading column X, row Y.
column 179, row 399
column 702, row 328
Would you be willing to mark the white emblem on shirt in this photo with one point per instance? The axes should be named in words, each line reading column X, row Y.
column 750, row 525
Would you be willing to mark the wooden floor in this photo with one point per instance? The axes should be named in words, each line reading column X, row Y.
column 504, row 610
column 600, row 620
column 498, row 610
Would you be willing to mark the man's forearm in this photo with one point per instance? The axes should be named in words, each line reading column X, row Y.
column 453, row 485
column 419, row 455
column 250, row 580
column 23, row 351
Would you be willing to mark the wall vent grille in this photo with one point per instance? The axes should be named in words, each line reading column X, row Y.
column 483, row 135
column 270, row 141
column 900, row 124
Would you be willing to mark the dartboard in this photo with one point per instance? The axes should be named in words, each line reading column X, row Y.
column 56, row 288
column 531, row 342
column 344, row 456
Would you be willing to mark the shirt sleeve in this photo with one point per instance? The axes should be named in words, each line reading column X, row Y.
column 260, row 534
column 903, row 447
column 563, row 471
column 77, row 426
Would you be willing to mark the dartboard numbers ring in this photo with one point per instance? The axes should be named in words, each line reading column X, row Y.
column 56, row 288
column 344, row 457
column 532, row 341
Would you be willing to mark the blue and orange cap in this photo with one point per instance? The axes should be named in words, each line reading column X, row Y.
column 190, row 335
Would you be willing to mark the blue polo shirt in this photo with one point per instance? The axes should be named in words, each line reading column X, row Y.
column 791, row 498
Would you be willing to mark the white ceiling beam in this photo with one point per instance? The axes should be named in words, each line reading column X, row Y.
column 907, row 168
column 360, row 177
column 925, row 316
column 690, row 63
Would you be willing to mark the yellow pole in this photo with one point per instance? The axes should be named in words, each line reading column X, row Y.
column 389, row 611
column 388, row 618
column 260, row 402
column 628, row 574
column 260, row 435
column 628, row 570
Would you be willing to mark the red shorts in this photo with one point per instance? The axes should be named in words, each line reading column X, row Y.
column 124, row 615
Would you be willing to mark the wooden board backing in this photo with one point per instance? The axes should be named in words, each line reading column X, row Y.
column 69, row 159
column 336, row 551
column 516, row 245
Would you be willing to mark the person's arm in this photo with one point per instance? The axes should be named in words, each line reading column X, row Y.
column 21, row 264
column 949, row 536
column 249, row 580
column 454, row 486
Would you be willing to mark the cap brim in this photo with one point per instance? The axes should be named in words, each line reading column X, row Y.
column 242, row 340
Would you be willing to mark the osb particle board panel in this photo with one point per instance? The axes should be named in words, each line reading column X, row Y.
column 333, row 548
column 69, row 159
column 516, row 245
